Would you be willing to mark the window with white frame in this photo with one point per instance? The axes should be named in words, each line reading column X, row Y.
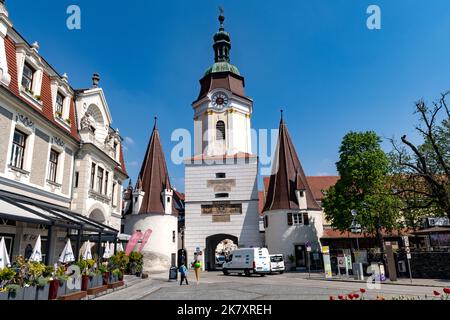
column 106, row 182
column 18, row 149
column 59, row 108
column 53, row 165
column 100, row 172
column 27, row 77
column 295, row 219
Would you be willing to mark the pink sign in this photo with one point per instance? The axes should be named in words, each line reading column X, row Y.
column 147, row 235
column 132, row 242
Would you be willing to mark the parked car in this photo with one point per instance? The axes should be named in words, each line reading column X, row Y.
column 248, row 261
column 277, row 263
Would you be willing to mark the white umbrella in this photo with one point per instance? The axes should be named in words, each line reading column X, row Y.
column 67, row 255
column 119, row 247
column 107, row 254
column 4, row 256
column 87, row 255
column 36, row 256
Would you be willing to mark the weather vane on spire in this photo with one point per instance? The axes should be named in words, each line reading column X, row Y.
column 221, row 17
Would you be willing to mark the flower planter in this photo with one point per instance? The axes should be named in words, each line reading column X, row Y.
column 3, row 296
column 105, row 278
column 42, row 293
column 84, row 283
column 98, row 280
column 16, row 294
column 62, row 285
column 138, row 274
column 122, row 272
column 113, row 278
column 53, row 289
column 29, row 293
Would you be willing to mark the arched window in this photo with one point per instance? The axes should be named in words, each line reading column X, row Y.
column 220, row 130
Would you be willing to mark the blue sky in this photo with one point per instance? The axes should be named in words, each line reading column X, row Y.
column 316, row 59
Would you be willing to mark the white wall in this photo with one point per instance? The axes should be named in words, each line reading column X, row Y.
column 159, row 248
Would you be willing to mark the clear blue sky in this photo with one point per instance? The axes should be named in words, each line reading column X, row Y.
column 316, row 58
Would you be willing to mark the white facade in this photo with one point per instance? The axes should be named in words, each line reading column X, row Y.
column 160, row 252
column 98, row 194
column 204, row 229
column 281, row 238
column 235, row 114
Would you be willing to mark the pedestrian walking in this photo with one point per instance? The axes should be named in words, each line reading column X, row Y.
column 183, row 274
column 197, row 265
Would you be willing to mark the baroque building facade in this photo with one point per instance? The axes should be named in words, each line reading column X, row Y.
column 51, row 136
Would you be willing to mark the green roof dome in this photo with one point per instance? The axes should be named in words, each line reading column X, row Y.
column 222, row 66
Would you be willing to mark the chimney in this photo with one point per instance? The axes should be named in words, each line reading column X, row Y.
column 95, row 80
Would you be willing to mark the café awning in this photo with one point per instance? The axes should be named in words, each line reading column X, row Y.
column 19, row 208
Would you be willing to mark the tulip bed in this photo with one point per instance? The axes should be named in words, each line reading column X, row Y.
column 361, row 295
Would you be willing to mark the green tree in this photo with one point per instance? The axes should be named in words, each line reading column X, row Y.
column 363, row 186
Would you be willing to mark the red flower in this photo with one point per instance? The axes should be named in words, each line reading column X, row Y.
column 341, row 297
column 447, row 290
column 362, row 290
column 350, row 296
column 356, row 296
column 332, row 298
column 436, row 293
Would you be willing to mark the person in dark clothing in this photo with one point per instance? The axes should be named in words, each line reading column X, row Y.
column 183, row 274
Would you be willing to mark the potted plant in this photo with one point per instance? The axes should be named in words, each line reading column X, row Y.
column 6, row 276
column 15, row 292
column 136, row 263
column 119, row 261
column 34, row 271
column 105, row 273
column 43, row 284
column 115, row 274
column 58, row 284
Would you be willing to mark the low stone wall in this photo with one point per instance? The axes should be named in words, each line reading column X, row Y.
column 429, row 265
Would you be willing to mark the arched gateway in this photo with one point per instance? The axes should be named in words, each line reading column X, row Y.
column 210, row 248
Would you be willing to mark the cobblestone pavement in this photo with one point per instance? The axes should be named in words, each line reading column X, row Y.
column 289, row 286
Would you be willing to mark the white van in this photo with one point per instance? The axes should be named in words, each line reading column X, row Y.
column 248, row 261
column 277, row 263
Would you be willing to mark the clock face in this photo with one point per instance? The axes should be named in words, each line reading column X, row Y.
column 220, row 100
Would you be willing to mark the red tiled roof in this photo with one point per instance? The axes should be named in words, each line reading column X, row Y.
column 321, row 183
column 289, row 176
column 336, row 234
column 318, row 184
column 47, row 108
column 122, row 167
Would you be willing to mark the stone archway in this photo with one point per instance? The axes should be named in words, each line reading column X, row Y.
column 210, row 248
column 98, row 216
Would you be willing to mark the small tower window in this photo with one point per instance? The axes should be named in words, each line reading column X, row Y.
column 220, row 130
column 221, row 175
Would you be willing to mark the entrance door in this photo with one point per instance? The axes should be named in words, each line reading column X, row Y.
column 300, row 256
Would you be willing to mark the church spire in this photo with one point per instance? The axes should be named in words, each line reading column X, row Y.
column 222, row 41
column 154, row 176
column 287, row 177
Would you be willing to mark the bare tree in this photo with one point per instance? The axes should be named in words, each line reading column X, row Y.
column 421, row 173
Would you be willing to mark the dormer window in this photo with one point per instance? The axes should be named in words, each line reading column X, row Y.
column 27, row 78
column 59, row 104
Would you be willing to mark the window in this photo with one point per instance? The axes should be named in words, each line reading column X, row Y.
column 174, row 236
column 115, row 149
column 99, row 179
column 222, row 195
column 77, row 176
column 295, row 219
column 220, row 130
column 59, row 104
column 113, row 194
column 53, row 165
column 106, row 182
column 18, row 149
column 221, row 175
column 266, row 222
column 92, row 176
column 27, row 78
